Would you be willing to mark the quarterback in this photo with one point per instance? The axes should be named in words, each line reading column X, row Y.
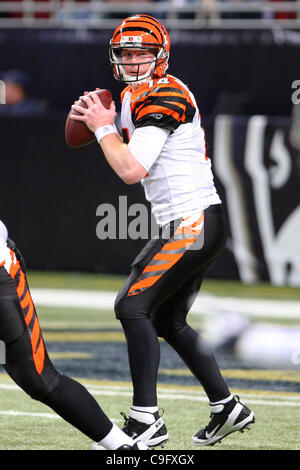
column 163, row 146
column 28, row 363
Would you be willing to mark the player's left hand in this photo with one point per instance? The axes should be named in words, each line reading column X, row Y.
column 95, row 115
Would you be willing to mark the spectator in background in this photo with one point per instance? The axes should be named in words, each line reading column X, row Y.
column 17, row 101
column 7, row 14
column 46, row 14
column 179, row 3
column 284, row 15
column 36, row 14
column 245, row 15
column 265, row 11
column 121, row 13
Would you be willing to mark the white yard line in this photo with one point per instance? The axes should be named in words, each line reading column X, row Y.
column 285, row 401
column 27, row 413
column 205, row 303
column 37, row 415
column 172, row 396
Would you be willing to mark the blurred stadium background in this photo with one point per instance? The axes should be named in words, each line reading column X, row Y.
column 241, row 60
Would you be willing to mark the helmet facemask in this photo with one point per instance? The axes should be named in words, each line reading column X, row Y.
column 115, row 55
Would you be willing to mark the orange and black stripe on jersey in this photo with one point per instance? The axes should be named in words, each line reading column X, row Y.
column 31, row 320
column 162, row 106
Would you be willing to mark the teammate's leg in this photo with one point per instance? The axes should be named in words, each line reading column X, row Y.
column 28, row 364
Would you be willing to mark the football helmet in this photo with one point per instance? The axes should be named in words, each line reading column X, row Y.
column 140, row 32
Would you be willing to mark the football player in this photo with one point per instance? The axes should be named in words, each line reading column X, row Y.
column 163, row 146
column 28, row 363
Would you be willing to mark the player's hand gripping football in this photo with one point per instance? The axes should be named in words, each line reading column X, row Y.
column 95, row 115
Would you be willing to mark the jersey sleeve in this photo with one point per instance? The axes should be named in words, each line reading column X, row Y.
column 166, row 107
column 139, row 144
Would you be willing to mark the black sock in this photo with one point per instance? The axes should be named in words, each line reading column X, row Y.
column 75, row 404
column 201, row 361
column 144, row 355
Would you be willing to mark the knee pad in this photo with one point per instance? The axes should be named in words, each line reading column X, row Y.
column 21, row 368
column 131, row 308
column 119, row 311
column 166, row 327
column 124, row 310
column 11, row 318
column 124, row 306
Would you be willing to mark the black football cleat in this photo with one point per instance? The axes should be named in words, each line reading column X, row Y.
column 136, row 446
column 153, row 433
column 225, row 419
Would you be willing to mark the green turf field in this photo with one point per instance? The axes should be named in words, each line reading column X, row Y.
column 88, row 344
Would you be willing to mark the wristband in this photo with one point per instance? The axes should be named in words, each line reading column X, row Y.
column 102, row 131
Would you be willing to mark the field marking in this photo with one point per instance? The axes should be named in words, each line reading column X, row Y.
column 103, row 384
column 70, row 355
column 172, row 396
column 204, row 304
column 245, row 374
column 38, row 415
column 27, row 413
column 185, row 397
column 84, row 336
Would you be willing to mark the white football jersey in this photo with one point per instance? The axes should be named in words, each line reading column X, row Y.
column 3, row 238
column 179, row 181
column 3, row 233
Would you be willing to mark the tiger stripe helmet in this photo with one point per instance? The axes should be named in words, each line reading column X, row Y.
column 140, row 32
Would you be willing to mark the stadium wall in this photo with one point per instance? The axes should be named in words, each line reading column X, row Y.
column 52, row 195
column 239, row 72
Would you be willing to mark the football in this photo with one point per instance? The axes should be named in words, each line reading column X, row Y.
column 77, row 134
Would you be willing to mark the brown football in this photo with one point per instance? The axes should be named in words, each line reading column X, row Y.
column 77, row 134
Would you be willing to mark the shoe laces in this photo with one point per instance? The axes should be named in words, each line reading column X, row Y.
column 216, row 418
column 127, row 420
column 214, row 421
